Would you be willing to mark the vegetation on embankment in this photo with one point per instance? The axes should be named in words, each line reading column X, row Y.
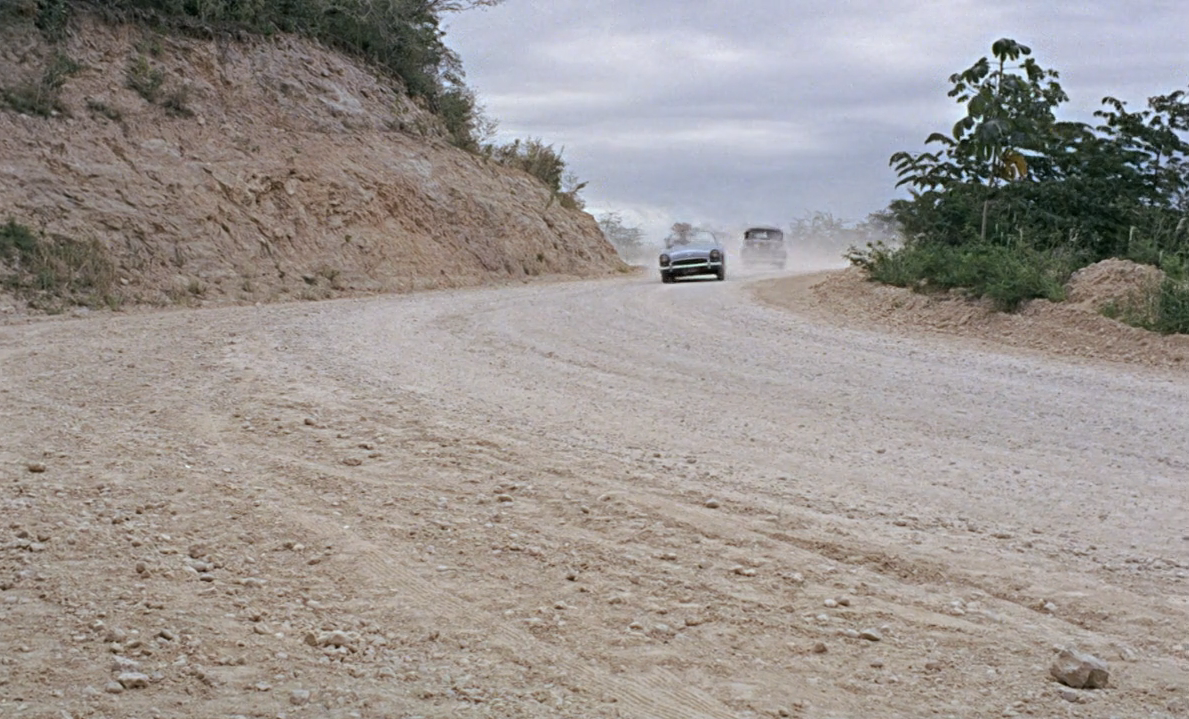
column 1012, row 200
column 206, row 160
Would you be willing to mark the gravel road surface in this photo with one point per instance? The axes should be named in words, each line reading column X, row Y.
column 590, row 499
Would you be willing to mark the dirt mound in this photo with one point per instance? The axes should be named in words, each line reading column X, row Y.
column 1072, row 329
column 243, row 170
column 1112, row 281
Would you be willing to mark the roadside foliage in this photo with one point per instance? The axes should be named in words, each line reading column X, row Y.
column 1011, row 200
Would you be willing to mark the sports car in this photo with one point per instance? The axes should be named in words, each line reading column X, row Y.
column 693, row 253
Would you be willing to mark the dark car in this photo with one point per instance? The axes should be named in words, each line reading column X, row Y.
column 693, row 253
column 764, row 246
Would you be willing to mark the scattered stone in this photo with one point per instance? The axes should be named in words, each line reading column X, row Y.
column 353, row 461
column 1080, row 670
column 831, row 603
column 712, row 504
column 123, row 664
column 299, row 697
column 133, row 680
column 870, row 635
column 1049, row 607
column 335, row 639
column 667, row 557
column 932, row 666
column 844, row 601
column 820, row 648
column 849, row 633
column 1070, row 695
column 503, row 498
column 113, row 687
column 36, row 467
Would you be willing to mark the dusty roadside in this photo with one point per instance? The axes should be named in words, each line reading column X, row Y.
column 1071, row 330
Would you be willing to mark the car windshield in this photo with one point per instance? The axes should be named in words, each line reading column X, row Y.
column 692, row 238
column 764, row 235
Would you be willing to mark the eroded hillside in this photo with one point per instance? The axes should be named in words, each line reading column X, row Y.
column 241, row 169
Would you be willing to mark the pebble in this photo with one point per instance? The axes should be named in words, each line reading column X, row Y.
column 503, row 498
column 712, row 504
column 820, row 648
column 335, row 639
column 1069, row 695
column 113, row 687
column 743, row 571
column 831, row 603
column 123, row 664
column 871, row 635
column 133, row 680
column 299, row 697
column 36, row 467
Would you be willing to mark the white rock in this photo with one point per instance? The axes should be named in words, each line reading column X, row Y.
column 133, row 680
column 1080, row 670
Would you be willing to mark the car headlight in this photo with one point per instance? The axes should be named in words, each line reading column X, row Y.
column 715, row 255
column 664, row 260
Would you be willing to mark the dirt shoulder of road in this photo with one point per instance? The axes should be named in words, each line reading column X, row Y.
column 1071, row 330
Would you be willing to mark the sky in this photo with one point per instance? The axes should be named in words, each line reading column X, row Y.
column 736, row 112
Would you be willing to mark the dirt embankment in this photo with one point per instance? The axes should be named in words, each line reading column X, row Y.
column 1075, row 328
column 260, row 170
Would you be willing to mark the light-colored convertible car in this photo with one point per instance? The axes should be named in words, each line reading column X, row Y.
column 693, row 253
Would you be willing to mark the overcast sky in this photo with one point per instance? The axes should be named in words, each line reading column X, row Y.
column 732, row 112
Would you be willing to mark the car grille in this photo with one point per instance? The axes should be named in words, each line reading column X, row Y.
column 689, row 262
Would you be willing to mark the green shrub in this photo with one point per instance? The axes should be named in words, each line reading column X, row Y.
column 1008, row 276
column 53, row 16
column 1172, row 307
column 102, row 108
column 17, row 242
column 1163, row 308
column 145, row 79
column 51, row 271
column 42, row 97
column 534, row 157
column 177, row 102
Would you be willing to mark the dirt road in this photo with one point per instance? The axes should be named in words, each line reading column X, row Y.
column 596, row 499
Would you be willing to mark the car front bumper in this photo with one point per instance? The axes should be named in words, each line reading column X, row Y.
column 688, row 268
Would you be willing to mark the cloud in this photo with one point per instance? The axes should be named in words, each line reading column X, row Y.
column 760, row 111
